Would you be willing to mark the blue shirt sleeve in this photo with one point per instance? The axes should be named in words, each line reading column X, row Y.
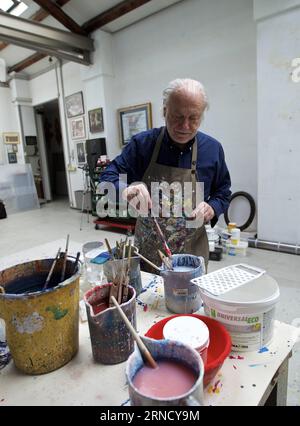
column 220, row 189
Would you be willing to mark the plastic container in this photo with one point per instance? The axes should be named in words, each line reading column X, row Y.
column 239, row 249
column 235, row 236
column 247, row 312
column 231, row 226
column 190, row 331
column 218, row 349
column 216, row 254
column 94, row 272
column 211, row 245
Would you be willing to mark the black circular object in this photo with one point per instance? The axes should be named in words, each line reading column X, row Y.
column 252, row 209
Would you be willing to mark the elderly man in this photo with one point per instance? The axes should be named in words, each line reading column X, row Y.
column 177, row 153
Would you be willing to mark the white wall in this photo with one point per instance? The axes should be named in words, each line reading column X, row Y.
column 214, row 42
column 8, row 120
column 278, row 40
column 43, row 88
column 72, row 83
column 266, row 8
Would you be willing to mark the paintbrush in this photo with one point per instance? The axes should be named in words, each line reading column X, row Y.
column 52, row 269
column 76, row 262
column 109, row 248
column 122, row 273
column 127, row 272
column 166, row 247
column 145, row 352
column 63, row 272
column 146, row 260
column 166, row 261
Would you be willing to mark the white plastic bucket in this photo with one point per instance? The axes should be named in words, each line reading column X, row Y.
column 247, row 312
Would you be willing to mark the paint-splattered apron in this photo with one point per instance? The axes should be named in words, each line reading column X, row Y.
column 180, row 238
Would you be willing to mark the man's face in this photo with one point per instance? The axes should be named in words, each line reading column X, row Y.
column 183, row 115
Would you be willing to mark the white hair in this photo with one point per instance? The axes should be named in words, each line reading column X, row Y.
column 188, row 84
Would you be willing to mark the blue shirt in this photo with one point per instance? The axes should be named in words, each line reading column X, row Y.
column 211, row 167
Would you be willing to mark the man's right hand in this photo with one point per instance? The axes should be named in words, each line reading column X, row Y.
column 138, row 197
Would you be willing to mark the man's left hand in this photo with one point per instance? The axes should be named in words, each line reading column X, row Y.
column 203, row 211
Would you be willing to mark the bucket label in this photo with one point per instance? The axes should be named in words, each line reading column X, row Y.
column 248, row 331
column 180, row 291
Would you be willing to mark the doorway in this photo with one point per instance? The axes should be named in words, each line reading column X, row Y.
column 53, row 168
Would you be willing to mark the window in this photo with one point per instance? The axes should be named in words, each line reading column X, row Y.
column 14, row 7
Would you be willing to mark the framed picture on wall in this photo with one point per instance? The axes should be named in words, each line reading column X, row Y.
column 74, row 105
column 12, row 157
column 30, row 140
column 133, row 120
column 80, row 153
column 77, row 128
column 96, row 120
column 11, row 138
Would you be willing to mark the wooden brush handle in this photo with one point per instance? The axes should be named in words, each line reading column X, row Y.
column 147, row 261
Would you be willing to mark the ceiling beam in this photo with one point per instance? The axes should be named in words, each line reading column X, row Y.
column 89, row 26
column 20, row 66
column 60, row 16
column 38, row 16
column 41, row 14
column 45, row 39
column 111, row 14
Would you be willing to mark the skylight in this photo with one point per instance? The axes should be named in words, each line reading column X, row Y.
column 14, row 7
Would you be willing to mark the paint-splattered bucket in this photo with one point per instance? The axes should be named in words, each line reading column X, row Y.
column 41, row 325
column 110, row 339
column 181, row 296
column 172, row 351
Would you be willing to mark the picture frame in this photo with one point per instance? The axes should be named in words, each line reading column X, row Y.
column 12, row 157
column 74, row 104
column 77, row 126
column 133, row 120
column 11, row 138
column 96, row 120
column 30, row 140
column 80, row 153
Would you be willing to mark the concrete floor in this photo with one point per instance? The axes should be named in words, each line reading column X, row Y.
column 55, row 220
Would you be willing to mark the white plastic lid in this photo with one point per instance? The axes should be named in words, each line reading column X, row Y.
column 189, row 330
